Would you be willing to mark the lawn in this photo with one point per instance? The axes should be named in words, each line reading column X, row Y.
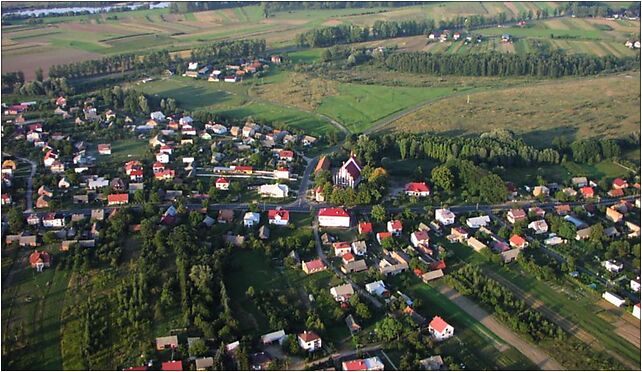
column 124, row 150
column 575, row 108
column 604, row 170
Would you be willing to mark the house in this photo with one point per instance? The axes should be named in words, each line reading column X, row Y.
column 278, row 217
column 341, row 248
column 536, row 211
column 274, row 191
column 613, row 215
column 309, row 140
column 349, row 174
column 414, row 316
column 276, row 59
column 61, row 101
column 633, row 230
column 636, row 311
column 333, row 217
column 43, row 201
column 381, row 236
column 613, row 266
column 619, row 183
column 173, row 365
column 313, row 266
column 563, row 209
column 353, row 266
column 434, row 363
column 286, row 155
column 515, row 215
column 117, row 199
column 359, row 247
column 269, row 338
column 282, row 173
column 6, row 199
column 44, row 190
column 419, row 189
column 477, row 222
column 352, row 324
column 309, row 341
column 432, row 275
column 251, row 218
column 389, row 265
column 440, row 330
column 104, row 149
column 541, row 191
column 457, row 234
column 53, row 220
column 365, row 228
column 225, row 216
column 162, row 158
column 164, row 175
column 39, row 260
column 377, row 288
column 611, row 232
column 167, row 342
column 509, row 255
column 579, row 181
column 475, row 244
column 57, row 167
column 369, row 364
column 616, row 193
column 418, row 238
column 569, row 192
column 506, row 38
column 518, row 242
column 342, row 293
column 204, row 364
column 64, row 183
column 553, row 240
column 395, row 227
column 322, row 164
column 538, row 227
column 583, row 234
column 613, row 298
column 33, row 220
column 587, row 192
column 445, row 216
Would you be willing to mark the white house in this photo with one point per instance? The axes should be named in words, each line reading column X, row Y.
column 635, row 285
column 185, row 120
column 97, row 183
column 445, row 216
column 539, row 227
column 349, row 174
column 342, row 293
column 157, row 116
column 477, row 222
column 251, row 218
column 219, row 129
column 394, row 227
column 419, row 238
column 278, row 217
column 636, row 311
column 282, row 173
column 162, row 158
column 309, row 341
column 440, row 330
column 53, row 220
column 333, row 217
column 376, row 288
column 269, row 338
column 613, row 298
column 274, row 191
column 359, row 247
column 613, row 266
column 222, row 184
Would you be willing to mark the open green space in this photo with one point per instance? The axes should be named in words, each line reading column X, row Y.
column 562, row 173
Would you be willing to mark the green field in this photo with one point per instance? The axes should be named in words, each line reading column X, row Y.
column 124, row 150
column 604, row 170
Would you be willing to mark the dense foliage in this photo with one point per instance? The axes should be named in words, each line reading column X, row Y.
column 553, row 65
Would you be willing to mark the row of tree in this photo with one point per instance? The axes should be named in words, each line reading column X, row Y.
column 553, row 65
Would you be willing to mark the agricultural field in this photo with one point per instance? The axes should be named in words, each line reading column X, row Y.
column 576, row 108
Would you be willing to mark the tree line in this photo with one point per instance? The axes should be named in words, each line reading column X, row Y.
column 553, row 65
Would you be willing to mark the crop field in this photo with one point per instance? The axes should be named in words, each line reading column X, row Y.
column 577, row 108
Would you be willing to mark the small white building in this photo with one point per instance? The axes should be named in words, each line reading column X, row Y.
column 445, row 216
column 477, row 222
column 309, row 341
column 636, row 311
column 251, row 219
column 157, row 116
column 613, row 266
column 376, row 288
column 269, row 338
column 440, row 330
column 162, row 158
column 613, row 298
column 635, row 285
column 274, row 191
column 419, row 238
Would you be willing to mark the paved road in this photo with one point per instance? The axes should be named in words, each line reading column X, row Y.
column 29, row 191
column 532, row 352
column 556, row 318
column 339, row 273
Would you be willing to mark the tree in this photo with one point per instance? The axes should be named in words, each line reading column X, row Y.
column 597, row 233
column 49, row 237
column 198, row 349
column 16, row 220
column 389, row 329
column 39, row 74
column 379, row 213
column 443, row 178
column 492, row 189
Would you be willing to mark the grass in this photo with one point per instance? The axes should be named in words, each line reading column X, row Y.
column 604, row 170
column 576, row 108
column 124, row 150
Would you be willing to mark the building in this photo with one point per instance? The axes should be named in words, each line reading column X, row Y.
column 53, row 220
column 445, row 216
column 117, row 199
column 419, row 189
column 342, row 293
column 251, row 218
column 377, row 288
column 475, row 244
column 613, row 299
column 167, row 342
column 354, row 266
column 341, row 248
column 365, row 228
column 517, row 241
column 541, row 191
column 333, row 217
column 636, row 311
column 613, row 215
column 349, row 175
column 612, row 266
column 579, row 181
column 222, row 184
column 322, row 164
column 395, row 227
column 538, row 227
column 381, row 236
column 477, row 222
column 419, row 238
column 269, row 338
column 620, row 183
column 274, row 191
column 587, row 192
column 104, row 149
column 432, row 275
column 434, row 363
column 278, row 217
column 39, row 260
column 369, row 364
column 173, row 365
column 515, row 215
column 309, row 341
column 359, row 247
column 313, row 266
column 225, row 216
column 440, row 330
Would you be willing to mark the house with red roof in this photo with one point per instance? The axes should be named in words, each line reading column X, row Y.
column 616, row 193
column 333, row 217
column 349, row 175
column 174, row 365
column 517, row 241
column 369, row 364
column 313, row 266
column 61, row 101
column 341, row 248
column 104, row 149
column 39, row 260
column 381, row 236
column 347, row 258
column 6, row 199
column 117, row 199
column 286, row 155
column 515, row 215
column 620, row 183
column 322, row 164
column 309, row 341
column 247, row 169
column 132, row 165
column 419, row 237
column 279, row 217
column 440, row 330
column 136, row 175
column 587, row 192
column 165, row 175
column 158, row 167
column 419, row 189
column 613, row 215
column 53, row 220
column 365, row 227
column 222, row 184
column 395, row 227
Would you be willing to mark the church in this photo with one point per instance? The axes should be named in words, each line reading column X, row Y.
column 349, row 174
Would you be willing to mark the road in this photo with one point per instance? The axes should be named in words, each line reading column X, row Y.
column 29, row 191
column 532, row 352
column 339, row 273
column 556, row 318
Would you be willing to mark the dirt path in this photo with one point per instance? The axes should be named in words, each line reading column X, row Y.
column 564, row 323
column 532, row 352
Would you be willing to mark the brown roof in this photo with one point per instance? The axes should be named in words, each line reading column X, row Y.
column 323, row 164
column 308, row 336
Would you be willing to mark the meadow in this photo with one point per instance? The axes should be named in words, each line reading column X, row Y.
column 576, row 108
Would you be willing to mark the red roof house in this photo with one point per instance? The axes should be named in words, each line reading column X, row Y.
column 417, row 189
column 517, row 241
column 174, row 365
column 587, row 192
column 333, row 217
column 39, row 260
column 278, row 216
column 117, row 199
column 222, row 184
column 619, row 183
column 313, row 266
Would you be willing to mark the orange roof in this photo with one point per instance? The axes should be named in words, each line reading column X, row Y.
column 517, row 240
column 308, row 336
column 438, row 324
column 417, row 187
column 323, row 164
